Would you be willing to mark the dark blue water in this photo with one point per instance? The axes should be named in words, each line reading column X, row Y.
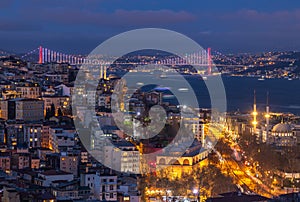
column 284, row 95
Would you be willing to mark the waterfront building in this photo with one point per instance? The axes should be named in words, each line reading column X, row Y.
column 282, row 135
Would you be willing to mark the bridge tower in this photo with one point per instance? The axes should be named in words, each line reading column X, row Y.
column 40, row 55
column 209, row 61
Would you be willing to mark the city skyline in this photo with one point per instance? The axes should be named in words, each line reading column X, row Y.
column 149, row 101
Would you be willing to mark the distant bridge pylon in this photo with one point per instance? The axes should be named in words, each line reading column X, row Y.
column 202, row 58
column 46, row 55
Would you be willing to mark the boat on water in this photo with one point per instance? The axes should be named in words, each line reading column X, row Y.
column 163, row 75
column 288, row 78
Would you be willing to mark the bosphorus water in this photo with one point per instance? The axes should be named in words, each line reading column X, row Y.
column 284, row 94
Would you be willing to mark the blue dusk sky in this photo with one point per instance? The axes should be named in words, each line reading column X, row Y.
column 78, row 26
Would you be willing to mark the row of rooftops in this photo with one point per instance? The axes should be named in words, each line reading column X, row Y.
column 23, row 100
column 26, row 83
column 63, row 122
column 242, row 197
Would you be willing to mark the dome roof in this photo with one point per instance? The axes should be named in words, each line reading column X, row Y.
column 282, row 128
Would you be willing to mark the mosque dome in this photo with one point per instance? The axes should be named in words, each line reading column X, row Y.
column 282, row 128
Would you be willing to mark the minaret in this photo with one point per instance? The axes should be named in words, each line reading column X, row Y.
column 267, row 111
column 101, row 71
column 104, row 73
column 267, row 116
column 209, row 61
column 202, row 135
column 254, row 114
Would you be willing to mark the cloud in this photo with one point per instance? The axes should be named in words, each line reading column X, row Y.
column 18, row 26
column 117, row 18
column 152, row 16
column 90, row 20
column 207, row 32
column 5, row 4
column 263, row 20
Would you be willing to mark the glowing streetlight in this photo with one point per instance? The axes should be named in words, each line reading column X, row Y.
column 196, row 192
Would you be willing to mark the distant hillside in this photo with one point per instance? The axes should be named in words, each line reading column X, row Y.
column 4, row 53
column 291, row 55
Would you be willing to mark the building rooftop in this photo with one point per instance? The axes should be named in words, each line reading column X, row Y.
column 123, row 144
column 25, row 99
column 237, row 197
column 282, row 128
column 55, row 172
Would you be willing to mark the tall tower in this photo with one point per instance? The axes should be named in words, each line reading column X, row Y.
column 254, row 113
column 104, row 73
column 41, row 55
column 209, row 61
column 267, row 116
column 202, row 135
column 101, row 71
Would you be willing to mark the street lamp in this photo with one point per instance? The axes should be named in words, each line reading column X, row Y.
column 168, row 192
column 196, row 192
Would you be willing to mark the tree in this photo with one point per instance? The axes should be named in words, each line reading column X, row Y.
column 68, row 110
column 52, row 110
column 223, row 147
column 59, row 112
column 48, row 114
column 211, row 181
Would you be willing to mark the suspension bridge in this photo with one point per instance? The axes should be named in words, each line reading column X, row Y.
column 203, row 58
